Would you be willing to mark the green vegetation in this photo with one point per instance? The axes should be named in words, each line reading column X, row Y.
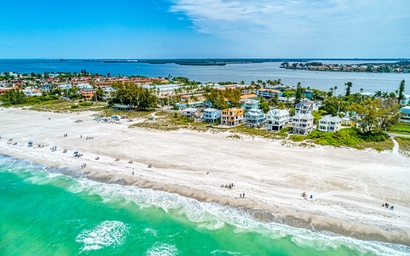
column 13, row 97
column 221, row 99
column 350, row 137
column 403, row 128
column 404, row 145
column 261, row 133
column 137, row 96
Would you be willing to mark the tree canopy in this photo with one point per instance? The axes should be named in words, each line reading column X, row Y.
column 136, row 96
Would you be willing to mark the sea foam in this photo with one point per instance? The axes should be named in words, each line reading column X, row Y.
column 206, row 215
column 107, row 233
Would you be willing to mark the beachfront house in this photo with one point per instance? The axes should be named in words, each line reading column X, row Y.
column 249, row 104
column 405, row 114
column 211, row 115
column 254, row 118
column 268, row 93
column 305, row 106
column 276, row 119
column 191, row 113
column 330, row 124
column 232, row 116
column 302, row 123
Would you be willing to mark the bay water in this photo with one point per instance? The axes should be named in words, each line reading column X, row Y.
column 247, row 72
column 49, row 211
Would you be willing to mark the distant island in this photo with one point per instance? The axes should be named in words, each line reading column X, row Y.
column 398, row 67
column 297, row 63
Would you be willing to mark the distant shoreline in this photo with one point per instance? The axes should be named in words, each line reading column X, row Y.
column 225, row 61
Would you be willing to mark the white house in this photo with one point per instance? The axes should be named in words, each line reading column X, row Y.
column 276, row 119
column 330, row 124
column 30, row 91
column 254, row 118
column 305, row 107
column 302, row 123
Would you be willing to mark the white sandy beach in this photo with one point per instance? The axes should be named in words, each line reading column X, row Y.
column 348, row 186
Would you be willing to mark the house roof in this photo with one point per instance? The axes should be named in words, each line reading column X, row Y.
column 303, row 116
column 248, row 96
column 251, row 101
column 210, row 110
column 405, row 110
column 278, row 112
column 254, row 112
column 190, row 110
column 331, row 119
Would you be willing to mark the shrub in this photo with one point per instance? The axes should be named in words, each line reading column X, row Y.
column 86, row 104
column 74, row 106
column 297, row 138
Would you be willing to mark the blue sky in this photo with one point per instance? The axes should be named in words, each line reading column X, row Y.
column 205, row 29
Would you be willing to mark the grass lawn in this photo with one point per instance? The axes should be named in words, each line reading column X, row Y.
column 402, row 128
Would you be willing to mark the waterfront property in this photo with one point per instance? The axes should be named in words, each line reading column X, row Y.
column 232, row 116
column 191, row 113
column 254, row 118
column 305, row 107
column 302, row 123
column 268, row 93
column 211, row 115
column 30, row 91
column 250, row 104
column 330, row 124
column 405, row 114
column 346, row 120
column 277, row 119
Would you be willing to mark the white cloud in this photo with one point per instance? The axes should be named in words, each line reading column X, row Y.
column 301, row 23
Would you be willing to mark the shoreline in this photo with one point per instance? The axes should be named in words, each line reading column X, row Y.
column 337, row 208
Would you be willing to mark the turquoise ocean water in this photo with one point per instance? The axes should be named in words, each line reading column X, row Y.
column 45, row 212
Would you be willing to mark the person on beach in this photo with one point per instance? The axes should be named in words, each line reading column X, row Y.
column 311, row 196
column 391, row 208
column 243, row 195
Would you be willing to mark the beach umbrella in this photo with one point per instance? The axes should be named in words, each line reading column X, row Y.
column 76, row 152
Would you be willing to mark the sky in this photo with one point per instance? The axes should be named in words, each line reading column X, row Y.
column 204, row 29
